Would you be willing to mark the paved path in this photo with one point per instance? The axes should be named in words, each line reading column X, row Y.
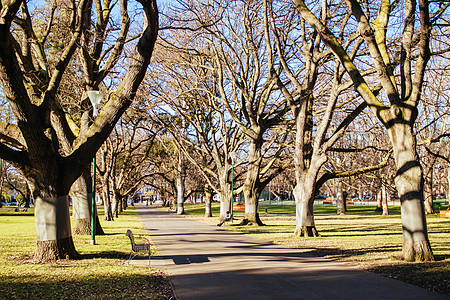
column 208, row 262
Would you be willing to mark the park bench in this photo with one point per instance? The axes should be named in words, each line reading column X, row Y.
column 238, row 207
column 445, row 213
column 138, row 248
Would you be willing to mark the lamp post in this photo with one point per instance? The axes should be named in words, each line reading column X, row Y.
column 233, row 157
column 95, row 97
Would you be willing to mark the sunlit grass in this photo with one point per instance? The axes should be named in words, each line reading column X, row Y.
column 98, row 274
column 361, row 238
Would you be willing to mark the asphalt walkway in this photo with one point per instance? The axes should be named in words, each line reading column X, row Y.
column 208, row 262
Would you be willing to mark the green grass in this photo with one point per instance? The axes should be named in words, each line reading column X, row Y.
column 361, row 238
column 98, row 274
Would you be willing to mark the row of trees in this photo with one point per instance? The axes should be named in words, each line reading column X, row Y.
column 304, row 88
column 48, row 57
column 302, row 91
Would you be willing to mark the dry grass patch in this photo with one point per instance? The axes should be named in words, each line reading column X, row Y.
column 98, row 274
column 369, row 242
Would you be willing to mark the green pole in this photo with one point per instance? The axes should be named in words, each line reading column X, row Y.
column 93, row 204
column 232, row 191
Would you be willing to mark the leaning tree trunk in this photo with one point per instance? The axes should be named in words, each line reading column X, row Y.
column 82, row 206
column 409, row 183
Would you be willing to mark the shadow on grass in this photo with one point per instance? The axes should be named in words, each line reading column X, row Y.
column 433, row 276
column 104, row 254
column 86, row 286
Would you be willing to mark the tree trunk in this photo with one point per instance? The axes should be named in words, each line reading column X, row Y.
column 409, row 183
column 379, row 207
column 428, row 190
column 124, row 202
column 107, row 206
column 82, row 206
column 304, row 207
column 115, row 206
column 27, row 196
column 119, row 205
column 384, row 200
column 54, row 234
column 208, row 201
column 341, row 201
column 448, row 187
column 180, row 187
column 252, row 185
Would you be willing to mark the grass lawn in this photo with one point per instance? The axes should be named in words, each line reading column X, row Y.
column 98, row 274
column 361, row 238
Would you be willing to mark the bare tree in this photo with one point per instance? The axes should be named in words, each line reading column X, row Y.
column 45, row 149
column 399, row 115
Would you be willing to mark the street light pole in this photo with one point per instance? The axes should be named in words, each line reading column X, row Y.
column 233, row 157
column 95, row 97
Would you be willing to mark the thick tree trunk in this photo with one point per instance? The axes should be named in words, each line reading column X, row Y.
column 252, row 185
column 225, row 200
column 409, row 183
column 304, row 208
column 82, row 206
column 225, row 205
column 54, row 234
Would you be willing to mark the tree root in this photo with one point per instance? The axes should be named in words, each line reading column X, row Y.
column 306, row 231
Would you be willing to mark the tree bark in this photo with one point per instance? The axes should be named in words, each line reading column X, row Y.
column 82, row 206
column 384, row 201
column 208, row 200
column 180, row 186
column 409, row 183
column 428, row 190
column 107, row 205
column 304, row 206
column 54, row 237
column 341, row 201
column 44, row 127
column 252, row 184
column 379, row 207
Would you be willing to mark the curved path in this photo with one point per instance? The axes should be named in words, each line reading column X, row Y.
column 207, row 262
